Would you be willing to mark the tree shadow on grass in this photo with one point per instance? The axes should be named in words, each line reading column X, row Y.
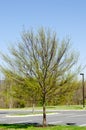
column 20, row 125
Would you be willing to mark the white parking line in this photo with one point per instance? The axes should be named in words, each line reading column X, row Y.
column 77, row 115
column 83, row 125
column 1, row 120
column 19, row 122
column 14, row 116
column 55, row 122
column 31, row 115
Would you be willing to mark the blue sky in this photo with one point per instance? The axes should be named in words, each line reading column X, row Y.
column 66, row 17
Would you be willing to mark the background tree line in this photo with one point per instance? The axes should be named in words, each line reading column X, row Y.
column 13, row 95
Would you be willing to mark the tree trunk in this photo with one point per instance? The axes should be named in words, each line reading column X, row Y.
column 33, row 108
column 44, row 114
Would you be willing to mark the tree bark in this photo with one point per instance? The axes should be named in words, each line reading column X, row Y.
column 44, row 114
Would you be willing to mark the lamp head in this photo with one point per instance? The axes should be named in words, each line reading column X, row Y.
column 81, row 73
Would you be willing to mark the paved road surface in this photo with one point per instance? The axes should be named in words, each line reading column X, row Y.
column 58, row 117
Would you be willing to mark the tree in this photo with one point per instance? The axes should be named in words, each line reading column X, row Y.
column 40, row 56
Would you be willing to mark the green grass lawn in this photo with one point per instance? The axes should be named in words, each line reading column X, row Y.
column 59, row 107
column 26, row 127
column 66, row 107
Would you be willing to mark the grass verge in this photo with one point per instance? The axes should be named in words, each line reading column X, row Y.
column 32, row 127
column 66, row 107
column 59, row 107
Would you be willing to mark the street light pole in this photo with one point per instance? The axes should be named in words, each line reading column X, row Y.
column 83, row 89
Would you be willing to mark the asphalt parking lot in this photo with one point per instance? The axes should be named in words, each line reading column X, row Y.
column 56, row 117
